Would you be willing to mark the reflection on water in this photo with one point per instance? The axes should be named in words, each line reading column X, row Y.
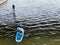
column 31, row 17
column 34, row 15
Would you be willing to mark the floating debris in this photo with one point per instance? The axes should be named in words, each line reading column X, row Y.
column 44, row 44
column 56, row 39
column 37, row 37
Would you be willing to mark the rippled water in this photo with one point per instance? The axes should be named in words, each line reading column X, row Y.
column 32, row 14
column 40, row 19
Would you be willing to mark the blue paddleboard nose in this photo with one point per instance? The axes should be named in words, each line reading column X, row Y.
column 18, row 28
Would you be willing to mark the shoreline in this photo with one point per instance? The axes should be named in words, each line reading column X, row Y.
column 2, row 1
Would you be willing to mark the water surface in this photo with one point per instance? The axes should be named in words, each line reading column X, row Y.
column 34, row 15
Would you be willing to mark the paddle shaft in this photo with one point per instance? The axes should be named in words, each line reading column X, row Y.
column 14, row 16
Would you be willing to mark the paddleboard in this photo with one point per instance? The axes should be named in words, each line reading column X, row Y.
column 19, row 34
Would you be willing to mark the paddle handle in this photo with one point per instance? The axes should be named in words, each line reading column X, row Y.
column 14, row 16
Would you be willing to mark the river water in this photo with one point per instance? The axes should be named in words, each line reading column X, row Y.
column 34, row 13
column 34, row 16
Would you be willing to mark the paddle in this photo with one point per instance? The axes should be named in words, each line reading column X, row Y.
column 14, row 16
column 20, row 31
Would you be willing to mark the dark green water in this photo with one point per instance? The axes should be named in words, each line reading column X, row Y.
column 32, row 41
